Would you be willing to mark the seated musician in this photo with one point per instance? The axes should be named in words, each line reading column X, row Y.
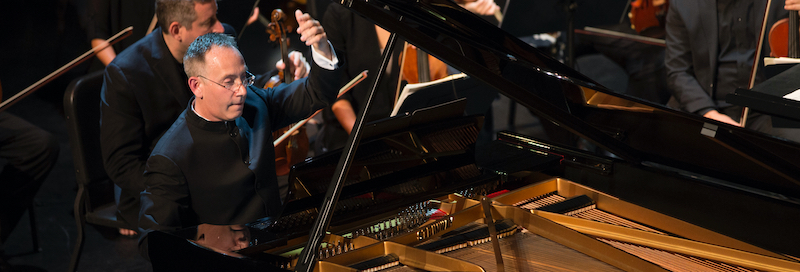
column 144, row 91
column 710, row 51
column 216, row 164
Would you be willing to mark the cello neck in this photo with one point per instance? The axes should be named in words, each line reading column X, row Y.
column 794, row 45
column 423, row 68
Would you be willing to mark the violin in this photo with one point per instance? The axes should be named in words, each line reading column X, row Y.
column 648, row 14
column 783, row 37
column 294, row 148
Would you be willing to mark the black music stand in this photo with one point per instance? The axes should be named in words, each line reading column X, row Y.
column 479, row 96
column 767, row 97
column 526, row 17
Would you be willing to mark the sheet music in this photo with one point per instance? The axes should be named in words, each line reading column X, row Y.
column 781, row 60
column 412, row 88
column 793, row 95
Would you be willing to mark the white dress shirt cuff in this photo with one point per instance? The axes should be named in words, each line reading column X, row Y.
column 323, row 62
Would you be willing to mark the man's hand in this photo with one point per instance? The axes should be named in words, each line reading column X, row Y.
column 713, row 114
column 792, row 5
column 253, row 17
column 312, row 33
column 481, row 7
column 299, row 63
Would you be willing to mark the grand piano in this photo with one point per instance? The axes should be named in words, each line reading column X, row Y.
column 671, row 191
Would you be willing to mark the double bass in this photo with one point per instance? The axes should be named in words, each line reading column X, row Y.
column 295, row 147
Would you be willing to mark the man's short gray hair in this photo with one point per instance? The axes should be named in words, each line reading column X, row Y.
column 181, row 11
column 195, row 58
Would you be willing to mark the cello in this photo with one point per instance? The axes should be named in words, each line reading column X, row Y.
column 783, row 37
column 294, row 148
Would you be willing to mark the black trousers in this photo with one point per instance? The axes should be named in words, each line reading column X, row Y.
column 29, row 153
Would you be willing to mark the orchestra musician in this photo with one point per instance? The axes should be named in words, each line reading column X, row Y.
column 215, row 164
column 361, row 43
column 710, row 51
column 103, row 18
column 144, row 91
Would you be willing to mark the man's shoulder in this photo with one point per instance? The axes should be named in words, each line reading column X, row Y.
column 140, row 53
column 174, row 139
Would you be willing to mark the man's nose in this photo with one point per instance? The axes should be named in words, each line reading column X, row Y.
column 218, row 28
column 240, row 89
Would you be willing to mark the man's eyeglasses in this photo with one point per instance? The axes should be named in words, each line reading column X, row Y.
column 233, row 86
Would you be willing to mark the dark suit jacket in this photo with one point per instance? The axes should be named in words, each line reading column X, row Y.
column 144, row 91
column 692, row 49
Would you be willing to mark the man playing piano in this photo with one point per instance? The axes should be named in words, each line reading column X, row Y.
column 710, row 50
column 144, row 91
column 216, row 165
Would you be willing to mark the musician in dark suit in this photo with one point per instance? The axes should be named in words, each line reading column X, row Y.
column 710, row 51
column 144, row 91
column 216, row 164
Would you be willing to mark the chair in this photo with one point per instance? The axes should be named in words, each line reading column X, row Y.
column 94, row 203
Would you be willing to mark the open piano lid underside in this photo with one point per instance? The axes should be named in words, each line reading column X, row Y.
column 634, row 130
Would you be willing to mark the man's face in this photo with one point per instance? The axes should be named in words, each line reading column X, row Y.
column 224, row 66
column 205, row 23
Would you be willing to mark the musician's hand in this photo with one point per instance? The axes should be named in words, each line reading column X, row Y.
column 713, row 114
column 312, row 33
column 253, row 17
column 792, row 5
column 481, row 7
column 299, row 63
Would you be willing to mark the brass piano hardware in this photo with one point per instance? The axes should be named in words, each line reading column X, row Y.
column 487, row 211
column 607, row 101
column 696, row 241
column 434, row 228
column 409, row 256
column 673, row 244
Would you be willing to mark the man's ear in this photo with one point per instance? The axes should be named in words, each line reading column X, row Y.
column 194, row 85
column 175, row 31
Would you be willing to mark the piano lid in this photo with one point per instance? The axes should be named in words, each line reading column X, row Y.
column 632, row 129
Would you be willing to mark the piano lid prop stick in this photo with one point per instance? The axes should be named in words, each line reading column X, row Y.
column 317, row 234
column 487, row 211
column 343, row 90
column 114, row 39
column 759, row 45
